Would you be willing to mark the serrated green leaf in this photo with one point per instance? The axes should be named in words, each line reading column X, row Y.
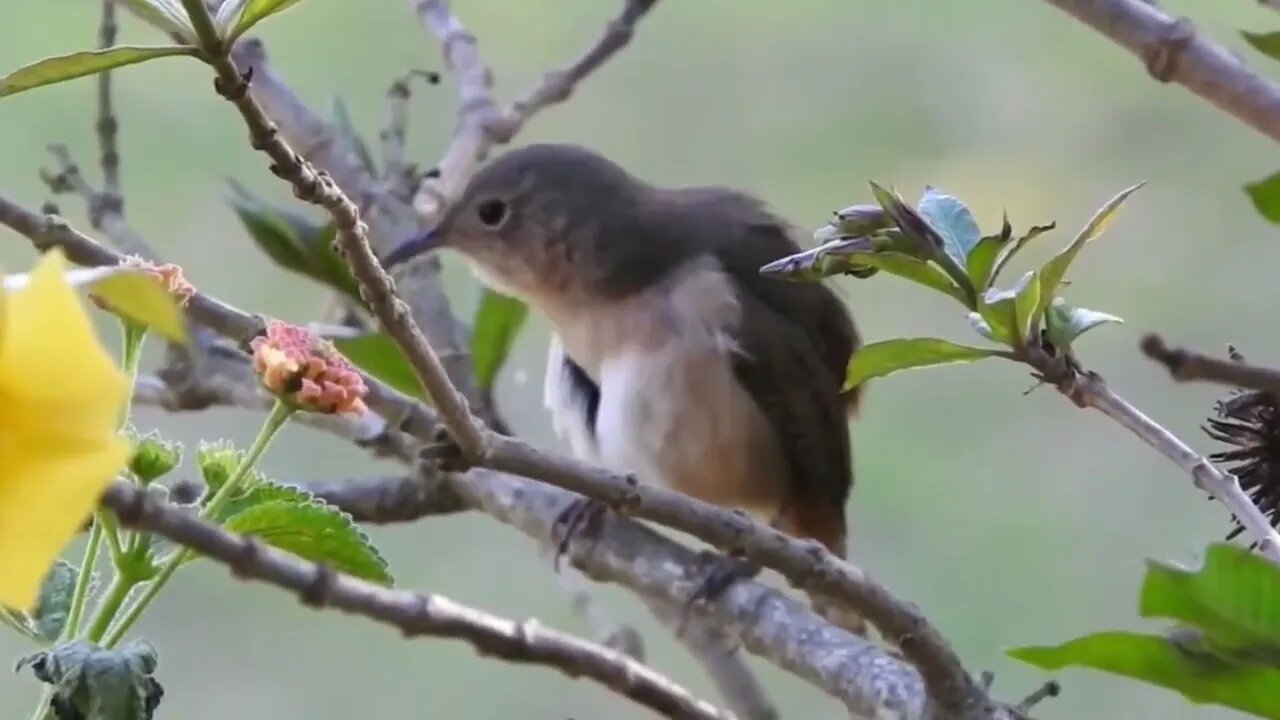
column 347, row 129
column 1158, row 661
column 953, row 222
column 313, row 531
column 217, row 462
column 1234, row 597
column 130, row 291
column 256, row 11
column 54, row 603
column 497, row 325
column 981, row 262
column 1053, row 271
column 1266, row 43
column 378, row 355
column 94, row 683
column 295, row 242
column 1064, row 323
column 1265, row 195
column 891, row 356
column 79, row 64
column 167, row 16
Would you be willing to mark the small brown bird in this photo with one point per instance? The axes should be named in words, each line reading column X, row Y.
column 672, row 357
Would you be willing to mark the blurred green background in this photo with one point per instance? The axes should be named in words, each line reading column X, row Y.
column 1010, row 518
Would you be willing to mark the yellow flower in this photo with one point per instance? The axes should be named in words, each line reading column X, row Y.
column 61, row 396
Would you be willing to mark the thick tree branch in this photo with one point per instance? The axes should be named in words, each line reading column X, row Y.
column 1088, row 390
column 482, row 123
column 1174, row 52
column 1188, row 365
column 414, row 614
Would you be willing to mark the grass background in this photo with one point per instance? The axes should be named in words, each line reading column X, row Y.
column 1010, row 518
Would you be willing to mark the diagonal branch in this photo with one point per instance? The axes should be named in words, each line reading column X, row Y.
column 482, row 123
column 1188, row 365
column 1174, row 52
column 318, row 586
column 1088, row 390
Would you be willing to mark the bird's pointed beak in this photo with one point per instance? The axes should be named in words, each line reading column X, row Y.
column 413, row 247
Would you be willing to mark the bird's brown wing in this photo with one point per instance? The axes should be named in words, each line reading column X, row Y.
column 783, row 370
column 744, row 236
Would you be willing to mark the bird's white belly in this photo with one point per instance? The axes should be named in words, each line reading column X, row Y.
column 677, row 416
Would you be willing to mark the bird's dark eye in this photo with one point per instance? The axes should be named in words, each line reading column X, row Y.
column 492, row 212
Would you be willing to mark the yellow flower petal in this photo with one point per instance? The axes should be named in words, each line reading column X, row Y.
column 45, row 495
column 60, row 401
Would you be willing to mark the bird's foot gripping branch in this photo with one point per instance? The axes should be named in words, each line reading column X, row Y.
column 1226, row 614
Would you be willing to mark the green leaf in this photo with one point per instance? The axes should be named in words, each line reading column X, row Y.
column 1265, row 194
column 1026, row 300
column 858, row 220
column 228, row 15
column 54, row 604
column 153, row 456
column 952, row 220
column 378, row 355
column 130, row 291
column 1158, row 661
column 497, row 324
column 856, row 255
column 93, row 683
column 1266, row 43
column 167, row 16
column 217, row 462
column 891, row 356
column 1053, row 271
column 1009, row 250
column 79, row 64
column 931, row 245
column 313, row 531
column 981, row 261
column 258, row 10
column 1234, row 597
column 294, row 242
column 1064, row 323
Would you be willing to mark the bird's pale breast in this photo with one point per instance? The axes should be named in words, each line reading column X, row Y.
column 669, row 407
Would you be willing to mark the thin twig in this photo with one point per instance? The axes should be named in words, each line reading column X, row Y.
column 1174, row 52
column 397, row 172
column 414, row 614
column 1088, row 390
column 1188, row 365
column 107, row 125
column 481, row 122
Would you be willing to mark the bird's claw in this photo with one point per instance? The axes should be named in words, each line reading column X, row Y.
column 722, row 571
column 444, row 453
column 581, row 515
